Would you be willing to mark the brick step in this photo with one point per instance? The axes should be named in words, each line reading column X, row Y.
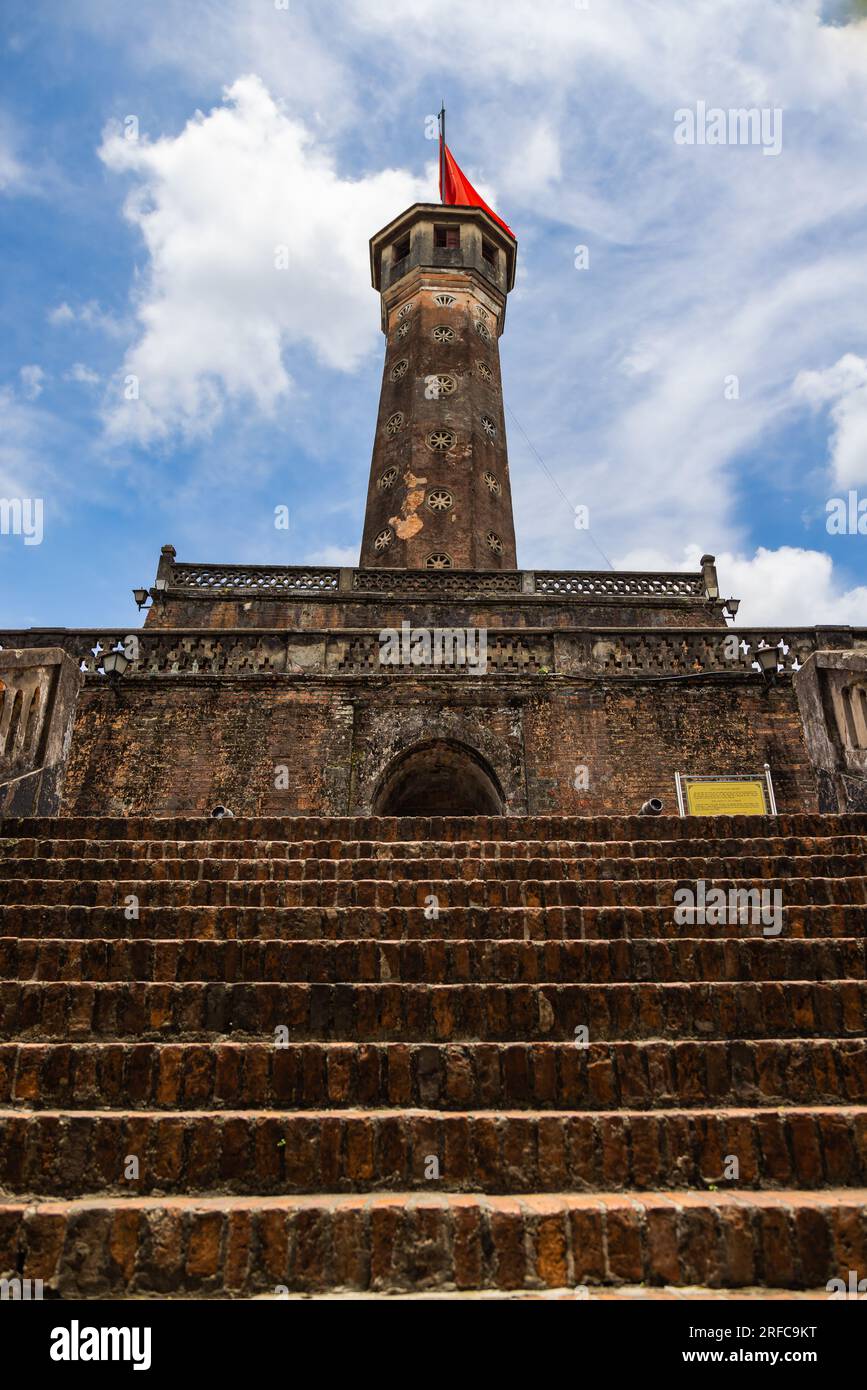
column 408, row 893
column 452, row 850
column 745, row 869
column 260, row 1153
column 382, row 829
column 432, row 1013
column 394, row 1242
column 447, row 1076
column 434, row 961
column 68, row 922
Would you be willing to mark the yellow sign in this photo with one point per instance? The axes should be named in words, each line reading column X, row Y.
column 746, row 798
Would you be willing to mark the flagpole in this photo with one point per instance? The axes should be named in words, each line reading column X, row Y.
column 442, row 120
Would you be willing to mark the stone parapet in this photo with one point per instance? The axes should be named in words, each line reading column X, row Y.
column 38, row 695
column 609, row 653
column 832, row 697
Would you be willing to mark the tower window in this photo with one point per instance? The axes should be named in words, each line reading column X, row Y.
column 383, row 540
column 439, row 499
column 448, row 238
column 441, row 441
column 400, row 248
column 489, row 252
column 439, row 384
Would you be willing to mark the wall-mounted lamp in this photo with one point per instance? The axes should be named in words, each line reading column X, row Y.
column 114, row 664
column 769, row 663
column 141, row 597
column 731, row 606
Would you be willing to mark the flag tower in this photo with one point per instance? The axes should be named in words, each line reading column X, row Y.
column 439, row 495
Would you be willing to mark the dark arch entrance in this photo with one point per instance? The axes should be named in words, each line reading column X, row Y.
column 439, row 778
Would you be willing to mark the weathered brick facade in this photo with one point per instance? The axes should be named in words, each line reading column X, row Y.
column 207, row 741
column 439, row 494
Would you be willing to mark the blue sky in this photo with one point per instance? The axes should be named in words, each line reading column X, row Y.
column 258, row 126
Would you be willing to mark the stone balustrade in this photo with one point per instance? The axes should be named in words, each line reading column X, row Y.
column 278, row 580
column 609, row 653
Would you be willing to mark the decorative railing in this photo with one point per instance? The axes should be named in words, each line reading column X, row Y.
column 278, row 580
column 438, row 581
column 664, row 653
column 672, row 652
column 603, row 583
column 261, row 579
column 506, row 654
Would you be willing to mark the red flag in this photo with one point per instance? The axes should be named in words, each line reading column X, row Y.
column 460, row 191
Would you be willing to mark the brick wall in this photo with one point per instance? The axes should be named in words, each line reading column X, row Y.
column 185, row 744
column 365, row 610
column 633, row 738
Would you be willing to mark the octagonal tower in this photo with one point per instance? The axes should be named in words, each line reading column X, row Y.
column 439, row 494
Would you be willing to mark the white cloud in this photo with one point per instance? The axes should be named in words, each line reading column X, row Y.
column 216, row 205
column 29, row 437
column 80, row 372
column 32, row 378
column 844, row 387
column 27, row 167
column 88, row 315
column 790, row 586
column 14, row 176
column 346, row 555
column 299, row 52
column 538, row 171
column 11, row 172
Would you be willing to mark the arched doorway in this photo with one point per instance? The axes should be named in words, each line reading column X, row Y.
column 439, row 778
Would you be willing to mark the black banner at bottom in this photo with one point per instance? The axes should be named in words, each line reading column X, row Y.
column 641, row 1332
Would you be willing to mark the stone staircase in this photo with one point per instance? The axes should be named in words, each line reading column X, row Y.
column 344, row 1055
